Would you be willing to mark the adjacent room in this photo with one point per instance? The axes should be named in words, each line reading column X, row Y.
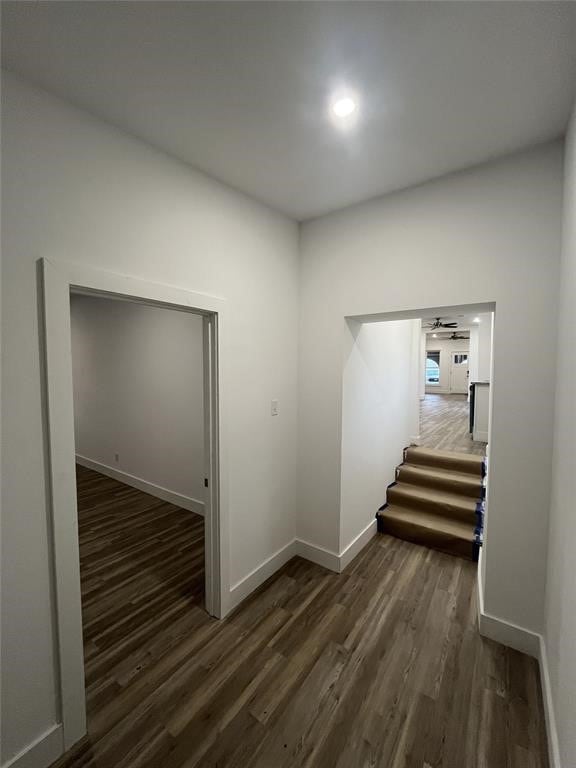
column 139, row 438
column 281, row 485
column 455, row 395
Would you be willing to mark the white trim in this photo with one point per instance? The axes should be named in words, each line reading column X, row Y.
column 42, row 752
column 318, row 555
column 533, row 644
column 505, row 632
column 357, row 544
column 299, row 548
column 58, row 279
column 551, row 730
column 481, row 435
column 415, row 439
column 216, row 543
column 64, row 517
column 509, row 634
column 243, row 588
column 173, row 497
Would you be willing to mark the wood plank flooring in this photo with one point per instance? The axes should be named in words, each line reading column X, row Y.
column 444, row 424
column 381, row 665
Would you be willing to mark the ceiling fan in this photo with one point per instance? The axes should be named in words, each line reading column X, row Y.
column 437, row 323
column 456, row 336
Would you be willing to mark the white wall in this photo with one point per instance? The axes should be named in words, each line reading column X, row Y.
column 76, row 189
column 485, row 347
column 79, row 190
column 375, row 257
column 446, row 347
column 422, row 373
column 138, row 391
column 379, row 405
column 560, row 628
column 480, row 354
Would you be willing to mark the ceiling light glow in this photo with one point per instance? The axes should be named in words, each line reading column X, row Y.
column 434, row 335
column 344, row 107
column 476, row 320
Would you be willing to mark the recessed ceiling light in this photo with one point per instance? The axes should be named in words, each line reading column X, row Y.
column 434, row 335
column 476, row 320
column 344, row 107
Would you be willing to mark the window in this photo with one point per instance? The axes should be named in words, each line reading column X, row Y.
column 432, row 367
column 460, row 359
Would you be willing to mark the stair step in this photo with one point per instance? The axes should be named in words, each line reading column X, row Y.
column 454, row 537
column 435, row 502
column 441, row 479
column 458, row 462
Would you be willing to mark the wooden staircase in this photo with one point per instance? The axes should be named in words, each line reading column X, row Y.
column 437, row 500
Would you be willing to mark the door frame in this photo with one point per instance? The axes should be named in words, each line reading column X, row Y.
column 59, row 279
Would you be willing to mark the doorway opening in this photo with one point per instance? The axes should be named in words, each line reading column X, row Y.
column 406, row 377
column 454, row 398
column 136, row 520
column 139, row 439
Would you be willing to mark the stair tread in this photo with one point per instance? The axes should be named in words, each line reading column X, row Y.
column 466, row 462
column 447, row 474
column 420, row 450
column 446, row 526
column 434, row 495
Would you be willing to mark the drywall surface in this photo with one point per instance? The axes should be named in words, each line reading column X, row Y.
column 76, row 189
column 480, row 351
column 138, row 391
column 560, row 630
column 485, row 347
column 380, row 403
column 446, row 347
column 492, row 234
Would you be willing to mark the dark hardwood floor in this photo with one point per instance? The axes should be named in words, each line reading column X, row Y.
column 381, row 665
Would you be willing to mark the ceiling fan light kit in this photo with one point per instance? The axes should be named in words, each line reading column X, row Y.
column 439, row 324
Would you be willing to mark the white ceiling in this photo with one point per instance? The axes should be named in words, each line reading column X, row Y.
column 240, row 89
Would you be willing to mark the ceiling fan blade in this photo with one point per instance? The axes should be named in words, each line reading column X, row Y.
column 449, row 325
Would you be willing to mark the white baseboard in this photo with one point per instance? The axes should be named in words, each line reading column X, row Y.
column 244, row 587
column 178, row 499
column 40, row 753
column 357, row 544
column 512, row 635
column 415, row 439
column 533, row 644
column 297, row 547
column 505, row 632
column 319, row 555
column 551, row 730
column 480, row 435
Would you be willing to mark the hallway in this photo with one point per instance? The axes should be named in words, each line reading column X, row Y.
column 444, row 424
column 380, row 665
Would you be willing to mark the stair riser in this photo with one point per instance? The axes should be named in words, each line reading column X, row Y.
column 441, row 462
column 428, row 538
column 396, row 495
column 470, row 488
